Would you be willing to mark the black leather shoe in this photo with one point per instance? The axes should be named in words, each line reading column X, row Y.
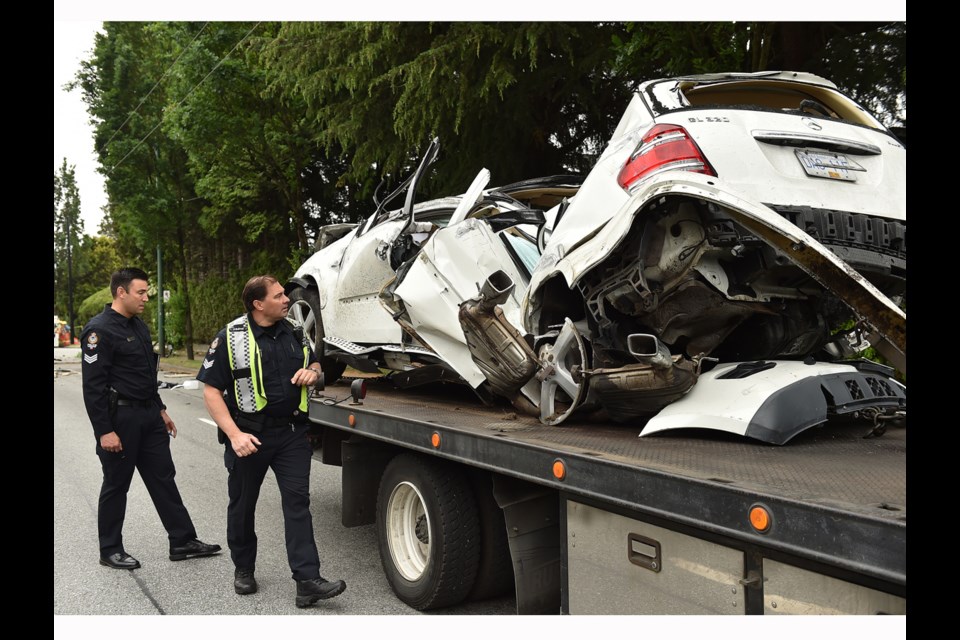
column 120, row 560
column 244, row 582
column 309, row 591
column 193, row 549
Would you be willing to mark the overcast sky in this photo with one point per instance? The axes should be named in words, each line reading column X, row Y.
column 72, row 135
column 76, row 23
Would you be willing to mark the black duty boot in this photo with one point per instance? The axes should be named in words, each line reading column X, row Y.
column 120, row 560
column 244, row 582
column 309, row 591
column 193, row 549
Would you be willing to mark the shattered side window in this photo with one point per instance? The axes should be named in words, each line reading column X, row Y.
column 524, row 249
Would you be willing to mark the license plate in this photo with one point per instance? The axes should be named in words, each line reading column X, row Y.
column 833, row 166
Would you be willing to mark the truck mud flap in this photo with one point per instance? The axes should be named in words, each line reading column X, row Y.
column 531, row 514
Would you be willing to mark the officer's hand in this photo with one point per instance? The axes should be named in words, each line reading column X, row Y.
column 111, row 442
column 168, row 423
column 244, row 444
column 305, row 377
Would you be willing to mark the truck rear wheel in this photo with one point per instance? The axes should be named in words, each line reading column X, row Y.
column 428, row 532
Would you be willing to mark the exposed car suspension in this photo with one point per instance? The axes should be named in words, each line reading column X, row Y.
column 881, row 418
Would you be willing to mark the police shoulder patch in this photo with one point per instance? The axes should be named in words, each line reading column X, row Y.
column 92, row 340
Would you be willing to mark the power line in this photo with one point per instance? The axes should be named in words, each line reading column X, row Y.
column 157, row 84
column 217, row 66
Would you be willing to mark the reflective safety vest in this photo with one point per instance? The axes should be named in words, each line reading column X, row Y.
column 244, row 356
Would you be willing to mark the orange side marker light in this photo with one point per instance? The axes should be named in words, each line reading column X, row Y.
column 760, row 518
column 559, row 469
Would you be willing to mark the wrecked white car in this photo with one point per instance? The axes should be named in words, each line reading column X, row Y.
column 732, row 216
column 386, row 294
column 735, row 222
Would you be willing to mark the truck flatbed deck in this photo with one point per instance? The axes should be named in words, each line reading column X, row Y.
column 836, row 498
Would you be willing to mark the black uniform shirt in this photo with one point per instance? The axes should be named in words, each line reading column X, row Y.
column 117, row 353
column 281, row 355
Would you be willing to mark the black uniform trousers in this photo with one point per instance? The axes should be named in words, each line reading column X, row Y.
column 287, row 451
column 146, row 448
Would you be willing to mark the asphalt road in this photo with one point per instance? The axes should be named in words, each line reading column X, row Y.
column 205, row 585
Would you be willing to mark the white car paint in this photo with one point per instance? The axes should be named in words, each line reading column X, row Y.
column 450, row 269
column 730, row 405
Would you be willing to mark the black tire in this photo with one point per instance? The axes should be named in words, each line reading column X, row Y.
column 495, row 574
column 305, row 309
column 428, row 532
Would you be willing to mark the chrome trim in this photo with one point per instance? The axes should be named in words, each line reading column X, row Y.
column 791, row 138
column 664, row 138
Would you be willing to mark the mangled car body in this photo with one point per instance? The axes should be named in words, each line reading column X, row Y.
column 739, row 219
column 386, row 294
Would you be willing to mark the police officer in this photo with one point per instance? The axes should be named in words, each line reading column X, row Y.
column 131, row 424
column 256, row 375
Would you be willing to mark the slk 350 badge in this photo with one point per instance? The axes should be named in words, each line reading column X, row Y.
column 709, row 119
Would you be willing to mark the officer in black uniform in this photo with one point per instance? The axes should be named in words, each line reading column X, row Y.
column 131, row 424
column 257, row 395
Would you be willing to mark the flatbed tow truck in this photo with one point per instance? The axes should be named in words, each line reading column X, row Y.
column 472, row 501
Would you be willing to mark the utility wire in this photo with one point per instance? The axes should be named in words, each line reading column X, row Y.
column 157, row 84
column 217, row 66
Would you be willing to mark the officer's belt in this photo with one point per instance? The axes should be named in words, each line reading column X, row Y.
column 257, row 422
column 132, row 402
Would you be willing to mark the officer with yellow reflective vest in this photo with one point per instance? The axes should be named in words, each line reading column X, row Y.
column 256, row 375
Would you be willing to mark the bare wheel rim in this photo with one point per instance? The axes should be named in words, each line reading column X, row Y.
column 561, row 390
column 408, row 531
column 302, row 313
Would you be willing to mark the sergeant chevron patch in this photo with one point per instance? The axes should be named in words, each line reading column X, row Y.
column 91, row 359
column 206, row 363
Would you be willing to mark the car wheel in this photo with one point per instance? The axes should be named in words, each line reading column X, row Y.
column 428, row 532
column 563, row 387
column 305, row 310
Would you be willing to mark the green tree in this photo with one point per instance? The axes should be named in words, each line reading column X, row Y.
column 67, row 238
column 98, row 260
column 865, row 60
column 148, row 184
column 661, row 49
column 522, row 99
column 253, row 155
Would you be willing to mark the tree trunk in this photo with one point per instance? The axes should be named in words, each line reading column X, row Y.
column 187, row 315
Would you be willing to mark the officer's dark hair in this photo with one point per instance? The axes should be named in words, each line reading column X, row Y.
column 256, row 289
column 124, row 277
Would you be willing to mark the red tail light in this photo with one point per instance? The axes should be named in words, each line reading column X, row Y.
column 664, row 147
